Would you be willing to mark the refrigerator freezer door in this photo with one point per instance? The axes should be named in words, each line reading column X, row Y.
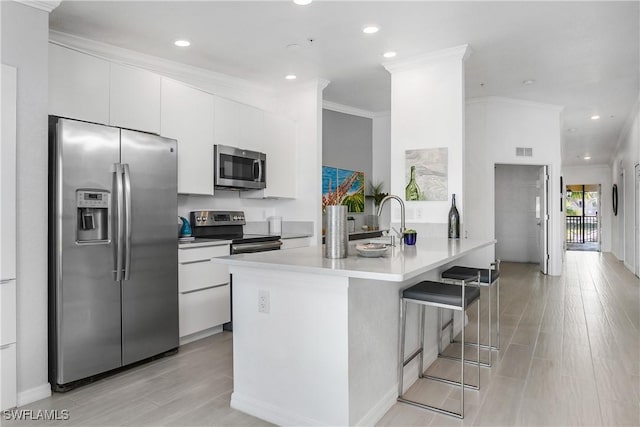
column 150, row 288
column 86, row 309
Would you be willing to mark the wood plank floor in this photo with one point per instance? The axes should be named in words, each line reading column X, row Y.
column 570, row 355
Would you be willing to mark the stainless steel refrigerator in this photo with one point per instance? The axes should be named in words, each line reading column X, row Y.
column 113, row 275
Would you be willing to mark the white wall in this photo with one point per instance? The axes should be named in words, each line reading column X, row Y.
column 494, row 128
column 596, row 174
column 517, row 231
column 427, row 111
column 25, row 33
column 627, row 155
column 380, row 158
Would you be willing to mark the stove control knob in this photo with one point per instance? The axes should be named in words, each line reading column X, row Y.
column 198, row 218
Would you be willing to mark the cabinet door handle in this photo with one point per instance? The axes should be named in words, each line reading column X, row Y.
column 204, row 289
column 2, row 347
column 195, row 261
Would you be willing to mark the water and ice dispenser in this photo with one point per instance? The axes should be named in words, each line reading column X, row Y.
column 93, row 216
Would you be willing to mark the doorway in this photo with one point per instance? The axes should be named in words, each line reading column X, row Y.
column 583, row 224
column 522, row 214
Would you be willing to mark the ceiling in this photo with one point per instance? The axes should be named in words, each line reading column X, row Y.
column 581, row 55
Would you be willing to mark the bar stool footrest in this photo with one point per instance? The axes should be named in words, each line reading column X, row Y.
column 432, row 408
column 451, row 382
column 469, row 361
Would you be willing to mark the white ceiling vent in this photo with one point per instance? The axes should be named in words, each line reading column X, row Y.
column 524, row 151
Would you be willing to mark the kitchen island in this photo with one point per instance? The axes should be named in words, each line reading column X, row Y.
column 315, row 340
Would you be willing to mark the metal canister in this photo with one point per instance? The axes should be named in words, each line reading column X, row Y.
column 337, row 237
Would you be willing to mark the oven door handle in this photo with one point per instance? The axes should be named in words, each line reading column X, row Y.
column 245, row 248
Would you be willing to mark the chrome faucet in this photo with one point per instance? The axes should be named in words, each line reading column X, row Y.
column 383, row 201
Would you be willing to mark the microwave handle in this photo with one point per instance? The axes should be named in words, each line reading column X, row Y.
column 259, row 163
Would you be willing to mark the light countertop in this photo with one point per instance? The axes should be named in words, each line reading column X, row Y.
column 400, row 263
column 198, row 243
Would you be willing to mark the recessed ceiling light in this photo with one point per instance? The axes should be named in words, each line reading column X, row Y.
column 182, row 43
column 587, row 157
column 595, row 117
column 372, row 29
column 302, row 2
column 528, row 82
column 290, row 77
column 389, row 54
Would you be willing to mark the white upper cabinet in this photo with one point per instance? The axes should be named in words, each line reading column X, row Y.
column 279, row 144
column 78, row 85
column 238, row 125
column 226, row 122
column 187, row 115
column 251, row 128
column 8, row 175
column 135, row 99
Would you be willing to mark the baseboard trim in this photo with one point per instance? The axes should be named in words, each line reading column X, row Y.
column 379, row 409
column 33, row 394
column 199, row 335
column 270, row 413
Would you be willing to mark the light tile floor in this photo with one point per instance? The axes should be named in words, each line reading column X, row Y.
column 570, row 355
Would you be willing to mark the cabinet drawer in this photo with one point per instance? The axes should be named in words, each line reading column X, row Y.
column 200, row 253
column 200, row 274
column 204, row 309
column 8, row 312
column 8, row 386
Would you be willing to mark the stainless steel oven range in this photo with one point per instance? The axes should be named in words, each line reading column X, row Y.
column 229, row 225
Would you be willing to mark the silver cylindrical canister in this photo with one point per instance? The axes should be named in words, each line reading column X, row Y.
column 336, row 238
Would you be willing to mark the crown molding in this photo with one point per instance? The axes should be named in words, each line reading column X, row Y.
column 46, row 5
column 346, row 109
column 155, row 64
column 522, row 102
column 461, row 53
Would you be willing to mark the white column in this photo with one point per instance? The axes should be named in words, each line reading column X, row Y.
column 427, row 111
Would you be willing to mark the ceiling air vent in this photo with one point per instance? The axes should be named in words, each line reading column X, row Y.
column 524, row 151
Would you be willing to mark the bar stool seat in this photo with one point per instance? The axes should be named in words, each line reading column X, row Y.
column 440, row 295
column 482, row 277
column 458, row 272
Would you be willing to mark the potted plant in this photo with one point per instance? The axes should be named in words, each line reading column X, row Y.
column 410, row 236
column 376, row 192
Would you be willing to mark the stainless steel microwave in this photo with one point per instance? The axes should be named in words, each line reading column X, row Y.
column 239, row 169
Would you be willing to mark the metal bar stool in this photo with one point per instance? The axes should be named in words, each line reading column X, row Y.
column 440, row 295
column 482, row 277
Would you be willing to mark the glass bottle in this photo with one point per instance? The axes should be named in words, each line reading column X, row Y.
column 412, row 191
column 454, row 220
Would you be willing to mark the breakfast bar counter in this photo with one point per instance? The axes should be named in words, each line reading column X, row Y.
column 315, row 340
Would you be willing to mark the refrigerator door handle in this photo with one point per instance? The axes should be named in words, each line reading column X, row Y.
column 119, row 220
column 127, row 211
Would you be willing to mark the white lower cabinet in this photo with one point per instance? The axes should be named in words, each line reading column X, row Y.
column 204, row 308
column 8, row 385
column 204, row 299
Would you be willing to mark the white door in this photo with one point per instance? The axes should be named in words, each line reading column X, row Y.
column 542, row 217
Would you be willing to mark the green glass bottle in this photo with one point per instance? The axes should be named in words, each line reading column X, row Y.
column 412, row 191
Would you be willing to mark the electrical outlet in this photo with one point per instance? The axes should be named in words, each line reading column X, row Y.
column 419, row 214
column 264, row 303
